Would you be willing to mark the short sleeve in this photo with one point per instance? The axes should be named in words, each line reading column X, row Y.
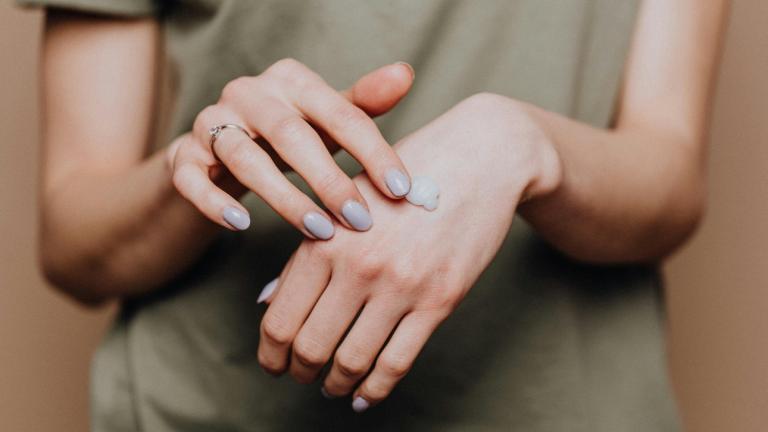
column 127, row 8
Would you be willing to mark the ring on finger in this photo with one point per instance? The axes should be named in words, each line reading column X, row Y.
column 216, row 131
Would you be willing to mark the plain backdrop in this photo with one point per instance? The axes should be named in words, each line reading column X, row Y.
column 717, row 300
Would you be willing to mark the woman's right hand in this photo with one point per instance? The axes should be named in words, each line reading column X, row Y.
column 283, row 106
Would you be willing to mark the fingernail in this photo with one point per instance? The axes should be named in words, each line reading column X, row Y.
column 357, row 216
column 318, row 225
column 326, row 394
column 359, row 404
column 237, row 218
column 267, row 291
column 410, row 68
column 397, row 182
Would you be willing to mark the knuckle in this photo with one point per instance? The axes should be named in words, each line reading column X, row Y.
column 209, row 198
column 443, row 299
column 288, row 130
column 271, row 365
column 276, row 331
column 286, row 65
column 404, row 273
column 345, row 116
column 206, row 118
column 334, row 182
column 239, row 158
column 289, row 202
column 485, row 99
column 396, row 366
column 324, row 251
column 291, row 72
column 179, row 177
column 236, row 88
column 368, row 264
column 375, row 390
column 352, row 365
column 308, row 352
column 182, row 177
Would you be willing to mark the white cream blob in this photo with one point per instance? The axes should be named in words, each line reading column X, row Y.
column 424, row 192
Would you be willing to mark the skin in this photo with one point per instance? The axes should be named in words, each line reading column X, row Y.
column 104, row 181
column 280, row 105
column 631, row 193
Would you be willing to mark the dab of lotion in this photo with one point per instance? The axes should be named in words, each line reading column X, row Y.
column 424, row 192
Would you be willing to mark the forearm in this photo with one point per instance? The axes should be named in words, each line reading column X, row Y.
column 121, row 234
column 626, row 195
column 636, row 192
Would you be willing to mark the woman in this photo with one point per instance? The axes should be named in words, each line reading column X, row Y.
column 587, row 119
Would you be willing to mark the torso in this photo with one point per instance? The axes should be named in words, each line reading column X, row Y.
column 539, row 344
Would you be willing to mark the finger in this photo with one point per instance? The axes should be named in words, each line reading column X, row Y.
column 253, row 167
column 376, row 93
column 321, row 333
column 191, row 179
column 297, row 292
column 380, row 90
column 299, row 145
column 396, row 359
column 355, row 132
column 356, row 354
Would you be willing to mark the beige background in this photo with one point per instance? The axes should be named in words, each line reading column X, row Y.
column 717, row 299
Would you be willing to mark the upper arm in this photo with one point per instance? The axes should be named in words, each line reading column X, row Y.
column 98, row 82
column 672, row 66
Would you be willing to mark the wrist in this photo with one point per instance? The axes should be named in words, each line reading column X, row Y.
column 517, row 154
column 531, row 154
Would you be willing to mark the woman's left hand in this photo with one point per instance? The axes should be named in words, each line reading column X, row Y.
column 410, row 271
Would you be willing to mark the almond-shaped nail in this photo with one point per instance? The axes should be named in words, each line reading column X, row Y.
column 267, row 291
column 236, row 218
column 356, row 215
column 360, row 404
column 397, row 182
column 318, row 225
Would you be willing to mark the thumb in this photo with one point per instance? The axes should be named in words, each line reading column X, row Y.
column 380, row 90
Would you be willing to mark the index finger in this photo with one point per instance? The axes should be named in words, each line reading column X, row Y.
column 355, row 132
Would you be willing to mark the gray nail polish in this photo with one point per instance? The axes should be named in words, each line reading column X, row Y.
column 237, row 218
column 359, row 404
column 397, row 182
column 318, row 225
column 356, row 215
column 326, row 394
column 267, row 291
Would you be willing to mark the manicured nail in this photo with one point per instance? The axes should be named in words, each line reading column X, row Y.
column 357, row 216
column 359, row 404
column 318, row 225
column 267, row 291
column 397, row 182
column 237, row 218
column 326, row 394
column 410, row 68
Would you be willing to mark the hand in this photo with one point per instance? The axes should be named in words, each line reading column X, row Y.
column 283, row 105
column 412, row 269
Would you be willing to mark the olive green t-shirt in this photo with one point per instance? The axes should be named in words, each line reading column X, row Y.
column 541, row 343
